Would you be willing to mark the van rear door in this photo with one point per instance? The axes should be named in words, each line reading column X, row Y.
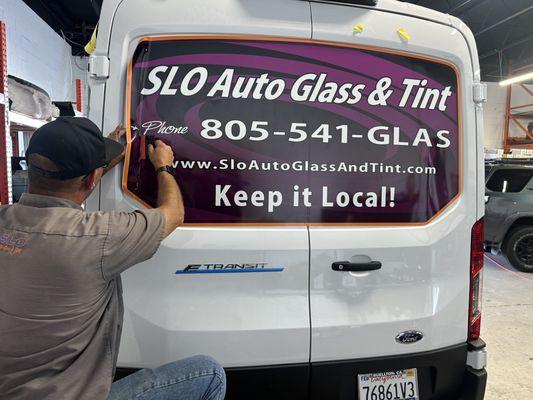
column 238, row 292
column 390, row 245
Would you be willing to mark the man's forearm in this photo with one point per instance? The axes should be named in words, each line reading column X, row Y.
column 170, row 201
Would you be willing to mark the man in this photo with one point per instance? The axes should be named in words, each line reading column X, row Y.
column 60, row 294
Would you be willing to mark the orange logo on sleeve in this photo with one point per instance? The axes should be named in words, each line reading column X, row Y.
column 12, row 242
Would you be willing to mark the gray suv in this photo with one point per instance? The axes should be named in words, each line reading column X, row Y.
column 509, row 211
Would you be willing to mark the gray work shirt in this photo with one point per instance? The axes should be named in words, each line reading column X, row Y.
column 60, row 294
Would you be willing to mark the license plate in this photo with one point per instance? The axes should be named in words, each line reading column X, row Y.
column 395, row 385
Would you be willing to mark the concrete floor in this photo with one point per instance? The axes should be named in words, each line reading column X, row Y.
column 507, row 327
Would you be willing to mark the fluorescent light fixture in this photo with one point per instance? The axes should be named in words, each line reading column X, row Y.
column 520, row 78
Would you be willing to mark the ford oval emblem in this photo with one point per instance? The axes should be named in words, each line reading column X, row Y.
column 409, row 337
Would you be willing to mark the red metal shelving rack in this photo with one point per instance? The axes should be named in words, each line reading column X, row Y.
column 521, row 115
column 5, row 135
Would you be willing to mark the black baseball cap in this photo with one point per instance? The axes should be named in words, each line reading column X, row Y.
column 75, row 145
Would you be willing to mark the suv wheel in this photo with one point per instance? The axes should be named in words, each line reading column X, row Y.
column 519, row 248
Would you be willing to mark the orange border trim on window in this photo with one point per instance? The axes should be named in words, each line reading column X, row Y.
column 296, row 40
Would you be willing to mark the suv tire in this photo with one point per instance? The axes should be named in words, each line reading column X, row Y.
column 519, row 248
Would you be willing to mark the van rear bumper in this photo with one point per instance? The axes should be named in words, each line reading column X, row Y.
column 442, row 375
column 474, row 384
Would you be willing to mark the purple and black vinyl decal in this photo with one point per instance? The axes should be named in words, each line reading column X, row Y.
column 276, row 131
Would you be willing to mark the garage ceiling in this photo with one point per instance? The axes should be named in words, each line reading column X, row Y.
column 503, row 28
column 72, row 19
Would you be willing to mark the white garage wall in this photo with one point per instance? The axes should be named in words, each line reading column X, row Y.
column 494, row 115
column 35, row 52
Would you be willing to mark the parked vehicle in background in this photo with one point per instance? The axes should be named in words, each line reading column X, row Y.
column 509, row 211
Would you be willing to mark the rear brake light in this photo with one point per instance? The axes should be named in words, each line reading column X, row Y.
column 476, row 281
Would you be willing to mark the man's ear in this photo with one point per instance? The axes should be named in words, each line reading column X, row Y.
column 93, row 178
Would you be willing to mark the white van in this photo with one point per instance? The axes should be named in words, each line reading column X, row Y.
column 330, row 156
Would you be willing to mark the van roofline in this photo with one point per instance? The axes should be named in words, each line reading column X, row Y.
column 414, row 10
column 417, row 11
column 110, row 7
column 395, row 6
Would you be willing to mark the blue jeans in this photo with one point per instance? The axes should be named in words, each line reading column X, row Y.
column 195, row 378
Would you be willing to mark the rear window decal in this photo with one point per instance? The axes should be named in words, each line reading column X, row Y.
column 295, row 132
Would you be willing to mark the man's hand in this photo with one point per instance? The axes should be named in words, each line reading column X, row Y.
column 118, row 133
column 160, row 155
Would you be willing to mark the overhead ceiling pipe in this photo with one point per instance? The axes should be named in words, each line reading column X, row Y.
column 527, row 62
column 503, row 21
column 506, row 47
column 464, row 7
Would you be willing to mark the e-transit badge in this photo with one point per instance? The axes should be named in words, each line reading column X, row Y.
column 295, row 132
